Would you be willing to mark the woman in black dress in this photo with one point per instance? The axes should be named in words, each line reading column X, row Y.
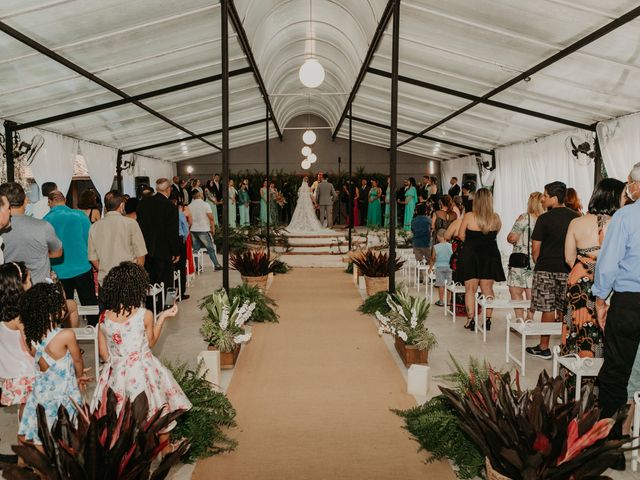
column 480, row 255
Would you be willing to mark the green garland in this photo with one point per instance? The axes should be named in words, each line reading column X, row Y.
column 374, row 303
column 211, row 412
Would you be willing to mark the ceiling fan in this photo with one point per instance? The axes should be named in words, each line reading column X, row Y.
column 23, row 152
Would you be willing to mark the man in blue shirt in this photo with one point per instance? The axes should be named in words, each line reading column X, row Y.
column 73, row 268
column 617, row 271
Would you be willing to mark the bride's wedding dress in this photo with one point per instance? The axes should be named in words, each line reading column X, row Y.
column 304, row 219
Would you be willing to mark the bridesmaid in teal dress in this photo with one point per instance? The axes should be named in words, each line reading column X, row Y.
column 244, row 201
column 387, row 204
column 374, row 212
column 263, row 204
column 410, row 200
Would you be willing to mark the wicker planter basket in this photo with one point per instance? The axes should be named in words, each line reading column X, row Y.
column 410, row 354
column 260, row 282
column 376, row 284
column 228, row 359
column 492, row 474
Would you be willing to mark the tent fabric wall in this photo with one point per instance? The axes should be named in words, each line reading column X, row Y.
column 101, row 164
column 619, row 140
column 527, row 167
column 147, row 167
column 456, row 168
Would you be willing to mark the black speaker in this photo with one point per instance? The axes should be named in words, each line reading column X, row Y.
column 140, row 182
column 470, row 178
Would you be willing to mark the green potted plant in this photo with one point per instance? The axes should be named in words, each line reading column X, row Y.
column 406, row 322
column 542, row 433
column 254, row 266
column 223, row 326
column 374, row 266
column 263, row 310
column 103, row 445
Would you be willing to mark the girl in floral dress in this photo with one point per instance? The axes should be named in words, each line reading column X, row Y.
column 59, row 367
column 17, row 368
column 126, row 335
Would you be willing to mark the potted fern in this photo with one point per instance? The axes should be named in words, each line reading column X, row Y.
column 406, row 322
column 254, row 266
column 374, row 266
column 223, row 326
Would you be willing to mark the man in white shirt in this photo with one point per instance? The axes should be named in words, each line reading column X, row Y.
column 203, row 227
column 5, row 219
column 41, row 207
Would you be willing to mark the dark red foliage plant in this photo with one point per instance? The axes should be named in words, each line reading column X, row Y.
column 104, row 445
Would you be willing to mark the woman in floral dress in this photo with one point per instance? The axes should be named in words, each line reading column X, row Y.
column 582, row 335
column 126, row 336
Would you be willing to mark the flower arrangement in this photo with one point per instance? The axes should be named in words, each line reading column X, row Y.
column 406, row 320
column 280, row 200
column 374, row 264
column 104, row 444
column 223, row 325
column 264, row 306
column 253, row 263
column 537, row 434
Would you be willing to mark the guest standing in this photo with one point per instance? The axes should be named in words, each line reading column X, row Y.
column 233, row 198
column 549, row 286
column 5, row 219
column 454, row 190
column 88, row 203
column 374, row 209
column 203, row 228
column 115, row 239
column 440, row 263
column 27, row 239
column 264, row 206
column 183, row 234
column 410, row 200
column 273, row 204
column 468, row 188
column 244, row 202
column 421, row 229
column 572, row 201
column 216, row 189
column 521, row 263
column 363, row 200
column 617, row 271
column 175, row 185
column 387, row 203
column 73, row 268
column 211, row 199
column 158, row 220
column 443, row 216
column 481, row 257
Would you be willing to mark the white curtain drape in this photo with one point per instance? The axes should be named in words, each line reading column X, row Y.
column 619, row 140
column 101, row 163
column 54, row 162
column 527, row 167
column 456, row 168
column 146, row 167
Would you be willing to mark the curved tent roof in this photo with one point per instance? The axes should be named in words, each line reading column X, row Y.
column 469, row 47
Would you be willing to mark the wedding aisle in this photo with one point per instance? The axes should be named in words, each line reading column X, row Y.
column 313, row 393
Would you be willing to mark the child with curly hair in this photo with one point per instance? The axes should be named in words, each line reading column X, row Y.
column 60, row 373
column 17, row 369
column 126, row 334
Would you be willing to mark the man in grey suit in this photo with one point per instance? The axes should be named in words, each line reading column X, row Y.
column 325, row 196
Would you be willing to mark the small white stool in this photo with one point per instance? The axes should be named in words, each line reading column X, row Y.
column 526, row 328
column 428, row 285
column 198, row 259
column 89, row 334
column 453, row 288
column 495, row 304
column 421, row 266
column 154, row 291
column 579, row 366
column 177, row 284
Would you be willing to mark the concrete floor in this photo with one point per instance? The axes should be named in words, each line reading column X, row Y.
column 181, row 341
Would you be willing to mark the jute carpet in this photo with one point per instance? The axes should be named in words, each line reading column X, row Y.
column 313, row 393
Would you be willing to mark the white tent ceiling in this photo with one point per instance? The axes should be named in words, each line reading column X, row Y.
column 466, row 45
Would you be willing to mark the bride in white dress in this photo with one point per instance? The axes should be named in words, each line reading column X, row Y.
column 304, row 219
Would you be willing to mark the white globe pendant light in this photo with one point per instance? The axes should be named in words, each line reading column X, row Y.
column 306, row 150
column 309, row 137
column 311, row 73
column 312, row 158
column 306, row 164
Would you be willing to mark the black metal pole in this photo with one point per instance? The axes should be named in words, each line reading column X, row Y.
column 267, row 168
column 597, row 161
column 119, row 171
column 393, row 150
column 8, row 139
column 351, row 185
column 224, row 13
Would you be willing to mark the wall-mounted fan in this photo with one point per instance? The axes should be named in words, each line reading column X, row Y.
column 23, row 152
column 580, row 149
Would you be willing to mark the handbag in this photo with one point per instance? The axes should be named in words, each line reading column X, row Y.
column 522, row 260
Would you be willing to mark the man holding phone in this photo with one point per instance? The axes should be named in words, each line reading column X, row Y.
column 203, row 227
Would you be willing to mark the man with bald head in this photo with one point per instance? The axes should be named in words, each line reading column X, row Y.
column 158, row 220
column 72, row 268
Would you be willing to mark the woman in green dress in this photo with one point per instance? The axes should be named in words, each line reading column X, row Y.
column 244, row 201
column 374, row 212
column 263, row 204
column 410, row 200
column 273, row 204
column 233, row 202
column 387, row 204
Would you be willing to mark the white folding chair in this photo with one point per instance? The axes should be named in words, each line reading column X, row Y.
column 579, row 366
column 177, row 284
column 527, row 328
column 421, row 266
column 635, row 455
column 453, row 288
column 155, row 290
column 495, row 304
column 90, row 334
